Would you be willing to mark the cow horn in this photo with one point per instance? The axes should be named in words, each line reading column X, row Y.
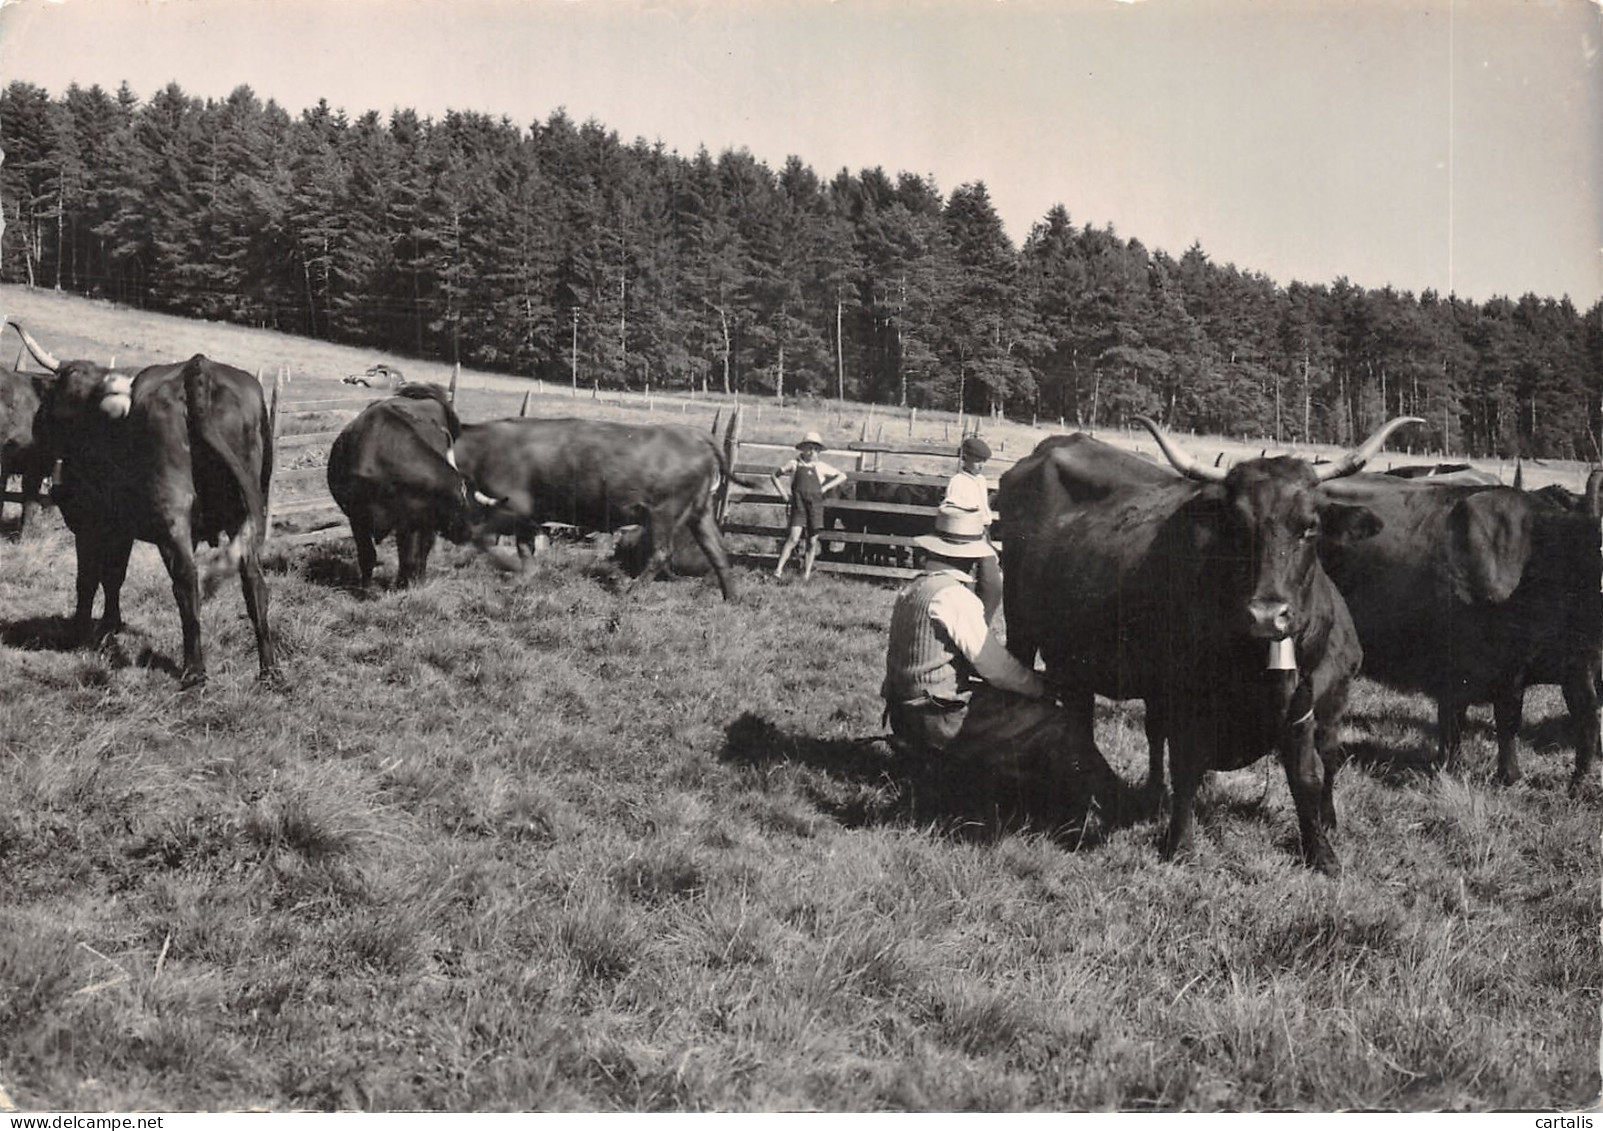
column 1183, row 461
column 484, row 500
column 1353, row 461
column 40, row 354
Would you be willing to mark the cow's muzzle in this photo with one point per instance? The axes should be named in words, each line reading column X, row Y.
column 1271, row 619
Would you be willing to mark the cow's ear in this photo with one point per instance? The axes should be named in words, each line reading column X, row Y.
column 1488, row 544
column 1342, row 524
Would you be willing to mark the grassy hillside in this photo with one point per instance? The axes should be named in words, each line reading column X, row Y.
column 535, row 842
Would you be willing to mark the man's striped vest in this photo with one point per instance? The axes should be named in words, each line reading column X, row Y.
column 918, row 662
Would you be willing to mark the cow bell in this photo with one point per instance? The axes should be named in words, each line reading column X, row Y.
column 1282, row 656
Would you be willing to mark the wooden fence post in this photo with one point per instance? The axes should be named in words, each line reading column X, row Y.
column 912, row 419
column 450, row 394
column 527, row 397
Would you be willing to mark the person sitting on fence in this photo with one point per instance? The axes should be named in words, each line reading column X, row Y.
column 952, row 690
column 804, row 481
column 968, row 493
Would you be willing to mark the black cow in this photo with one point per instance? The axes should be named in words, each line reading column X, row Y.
column 1559, row 497
column 20, row 454
column 392, row 469
column 600, row 475
column 174, row 455
column 900, row 525
column 1190, row 593
column 1444, row 474
column 1061, row 474
column 1472, row 594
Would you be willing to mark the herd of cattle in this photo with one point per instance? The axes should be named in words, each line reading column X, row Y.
column 1237, row 603
column 1133, row 583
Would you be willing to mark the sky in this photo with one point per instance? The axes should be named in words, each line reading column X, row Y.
column 1455, row 145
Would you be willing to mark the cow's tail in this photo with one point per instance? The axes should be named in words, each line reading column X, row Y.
column 203, row 427
column 269, row 448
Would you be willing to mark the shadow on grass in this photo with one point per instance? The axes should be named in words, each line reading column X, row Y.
column 1547, row 734
column 57, row 634
column 1409, row 764
column 609, row 577
column 328, row 565
column 41, row 634
column 1552, row 732
column 1392, row 765
column 864, row 783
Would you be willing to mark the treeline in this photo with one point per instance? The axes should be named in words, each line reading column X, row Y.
column 561, row 252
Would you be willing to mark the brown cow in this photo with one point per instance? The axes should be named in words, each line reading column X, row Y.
column 1203, row 593
column 20, row 454
column 599, row 475
column 392, row 469
column 174, row 455
column 1471, row 594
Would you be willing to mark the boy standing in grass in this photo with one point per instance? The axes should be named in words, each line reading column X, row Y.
column 967, row 493
column 804, row 481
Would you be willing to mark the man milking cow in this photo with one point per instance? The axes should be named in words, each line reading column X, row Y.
column 953, row 692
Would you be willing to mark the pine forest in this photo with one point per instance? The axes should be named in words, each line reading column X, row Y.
column 561, row 252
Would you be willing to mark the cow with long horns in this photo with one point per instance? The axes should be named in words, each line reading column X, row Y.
column 174, row 455
column 1202, row 594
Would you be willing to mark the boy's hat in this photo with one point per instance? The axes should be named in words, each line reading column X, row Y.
column 958, row 534
column 812, row 438
column 974, row 448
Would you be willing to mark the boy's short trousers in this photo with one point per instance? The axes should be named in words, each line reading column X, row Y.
column 807, row 514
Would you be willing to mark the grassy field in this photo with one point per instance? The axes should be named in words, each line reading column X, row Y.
column 534, row 843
